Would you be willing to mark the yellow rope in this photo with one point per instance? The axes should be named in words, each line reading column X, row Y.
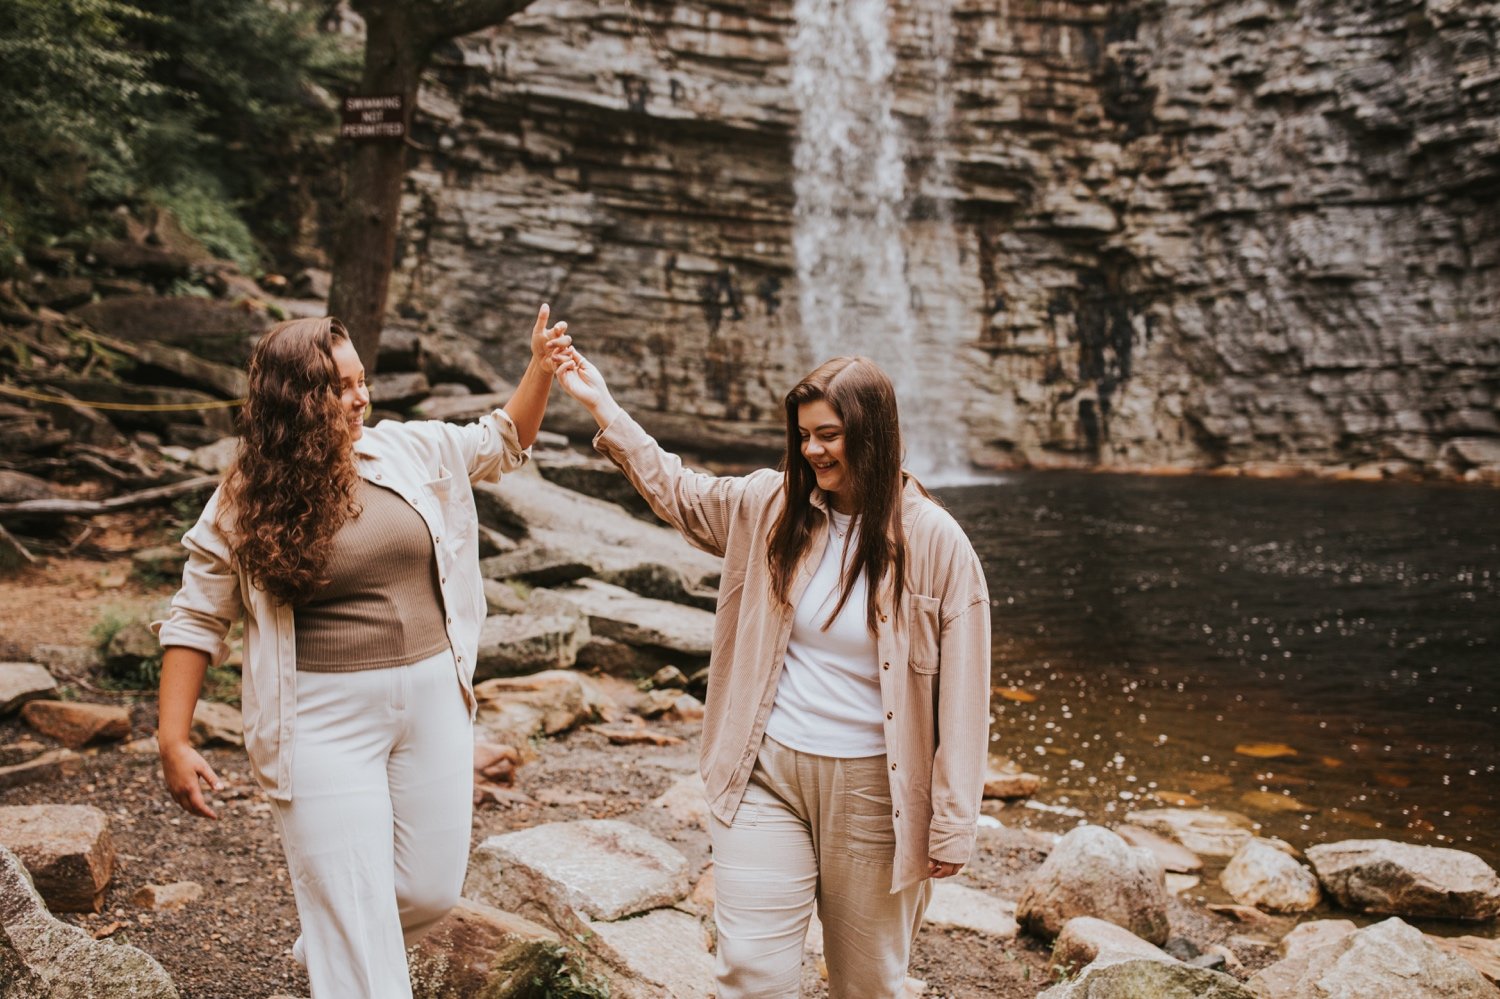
column 129, row 407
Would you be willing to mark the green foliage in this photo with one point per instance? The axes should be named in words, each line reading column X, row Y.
column 572, row 980
column 125, row 673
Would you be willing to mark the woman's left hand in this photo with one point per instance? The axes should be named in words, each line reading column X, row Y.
column 938, row 869
column 548, row 342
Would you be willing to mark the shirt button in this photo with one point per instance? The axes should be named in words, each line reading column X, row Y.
column 441, row 582
column 885, row 665
column 890, row 714
column 898, row 813
column 450, row 620
column 882, row 618
column 436, row 539
column 893, row 766
column 377, row 479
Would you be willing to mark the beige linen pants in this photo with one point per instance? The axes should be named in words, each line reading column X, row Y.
column 377, row 832
column 812, row 829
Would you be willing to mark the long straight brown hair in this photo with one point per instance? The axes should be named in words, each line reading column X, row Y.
column 864, row 399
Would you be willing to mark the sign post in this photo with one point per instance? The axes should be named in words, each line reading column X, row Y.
column 373, row 116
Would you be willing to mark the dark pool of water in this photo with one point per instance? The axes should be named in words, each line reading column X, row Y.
column 1164, row 626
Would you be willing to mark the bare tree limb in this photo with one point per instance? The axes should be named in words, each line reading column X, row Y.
column 90, row 508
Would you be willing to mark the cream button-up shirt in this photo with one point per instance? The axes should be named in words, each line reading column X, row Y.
column 431, row 465
column 933, row 647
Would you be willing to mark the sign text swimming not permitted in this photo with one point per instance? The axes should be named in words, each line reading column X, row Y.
column 372, row 116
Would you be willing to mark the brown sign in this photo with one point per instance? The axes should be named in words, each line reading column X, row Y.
column 373, row 116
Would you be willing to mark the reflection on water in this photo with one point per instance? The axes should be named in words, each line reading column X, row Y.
column 1318, row 656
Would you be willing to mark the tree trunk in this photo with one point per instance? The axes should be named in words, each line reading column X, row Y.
column 364, row 243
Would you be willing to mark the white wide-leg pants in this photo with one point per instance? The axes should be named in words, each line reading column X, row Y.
column 377, row 831
column 812, row 830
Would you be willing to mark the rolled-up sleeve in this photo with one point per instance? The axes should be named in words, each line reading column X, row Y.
column 491, row 446
column 963, row 727
column 209, row 601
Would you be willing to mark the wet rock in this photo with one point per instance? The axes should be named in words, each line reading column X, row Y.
column 164, row 898
column 217, row 724
column 623, row 616
column 1173, row 856
column 74, row 723
column 601, row 868
column 1093, row 872
column 955, row 906
column 1205, row 831
column 67, row 849
column 479, row 950
column 1138, row 978
column 513, row 644
column 22, row 682
column 1390, row 960
column 1313, row 934
column 1264, row 875
column 1084, row 939
column 513, row 709
column 1389, row 878
column 663, row 948
column 50, row 766
column 44, row 954
column 1008, row 786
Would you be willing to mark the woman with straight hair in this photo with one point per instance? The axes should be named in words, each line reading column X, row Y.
column 352, row 553
column 848, row 696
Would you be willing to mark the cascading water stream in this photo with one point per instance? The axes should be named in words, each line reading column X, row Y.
column 853, row 215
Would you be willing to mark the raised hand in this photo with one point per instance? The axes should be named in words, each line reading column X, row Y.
column 582, row 380
column 548, row 342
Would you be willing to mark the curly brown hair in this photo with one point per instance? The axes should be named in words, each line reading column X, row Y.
column 292, row 484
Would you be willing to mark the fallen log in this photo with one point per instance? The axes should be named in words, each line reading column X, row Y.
column 89, row 508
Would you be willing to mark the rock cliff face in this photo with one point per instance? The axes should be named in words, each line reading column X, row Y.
column 1184, row 233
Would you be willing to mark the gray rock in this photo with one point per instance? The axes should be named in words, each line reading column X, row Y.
column 134, row 643
column 623, row 616
column 398, row 390
column 1205, row 831
column 664, row 948
column 1093, row 872
column 67, row 849
column 59, row 961
column 1140, row 978
column 16, row 487
column 479, row 950
column 1173, row 856
column 214, row 330
column 955, row 906
column 1313, row 934
column 1390, row 960
column 514, row 709
column 683, row 805
column 22, row 682
column 1265, row 876
column 1482, row 953
column 602, row 868
column 536, row 565
column 1084, row 939
column 502, row 598
column 512, row 644
column 215, row 723
column 1389, row 878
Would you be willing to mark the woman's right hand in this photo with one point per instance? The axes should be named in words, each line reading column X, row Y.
column 581, row 380
column 183, row 767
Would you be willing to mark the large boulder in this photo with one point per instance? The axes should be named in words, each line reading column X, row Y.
column 479, row 950
column 1205, row 831
column 1093, row 872
column 954, row 906
column 600, row 868
column 664, row 948
column 1144, row 978
column 1264, row 875
column 67, row 849
column 513, row 709
column 536, row 565
column 22, row 682
column 1085, row 939
column 75, row 723
column 1389, row 960
column 43, row 957
column 616, row 613
column 1388, row 878
column 512, row 644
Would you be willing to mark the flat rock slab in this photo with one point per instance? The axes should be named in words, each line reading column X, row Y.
column 1173, row 856
column 617, row 613
column 1085, row 939
column 684, row 804
column 1388, row 878
column 22, row 682
column 75, row 724
column 514, row 644
column 216, row 724
column 1481, row 952
column 1389, row 960
column 602, row 868
column 61, row 960
column 1139, row 978
column 513, row 709
column 955, row 906
column 54, row 765
column 479, row 950
column 1314, row 933
column 67, row 849
column 1205, row 831
column 666, row 948
column 536, row 565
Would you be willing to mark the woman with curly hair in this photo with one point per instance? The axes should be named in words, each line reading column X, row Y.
column 847, row 717
column 352, row 553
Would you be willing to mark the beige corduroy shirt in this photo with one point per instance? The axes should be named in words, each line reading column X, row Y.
column 933, row 648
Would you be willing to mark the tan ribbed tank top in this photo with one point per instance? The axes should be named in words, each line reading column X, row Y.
column 382, row 606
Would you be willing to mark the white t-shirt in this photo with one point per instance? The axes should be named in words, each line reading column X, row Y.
column 828, row 697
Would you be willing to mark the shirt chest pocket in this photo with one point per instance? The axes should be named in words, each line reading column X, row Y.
column 454, row 519
column 925, row 630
